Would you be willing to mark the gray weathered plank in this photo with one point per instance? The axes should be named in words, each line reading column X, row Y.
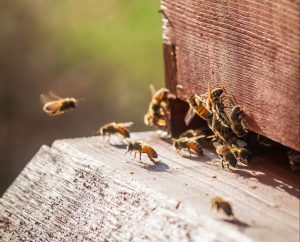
column 88, row 190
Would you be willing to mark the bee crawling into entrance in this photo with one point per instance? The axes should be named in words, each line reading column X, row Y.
column 141, row 147
column 190, row 144
column 115, row 128
column 226, row 155
column 55, row 105
column 219, row 203
column 232, row 155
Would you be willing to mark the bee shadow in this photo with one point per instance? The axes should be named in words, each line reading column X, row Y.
column 119, row 146
column 237, row 222
column 194, row 157
column 158, row 167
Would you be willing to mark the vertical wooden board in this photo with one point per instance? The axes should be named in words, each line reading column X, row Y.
column 250, row 46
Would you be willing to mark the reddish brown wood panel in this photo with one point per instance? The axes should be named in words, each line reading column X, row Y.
column 250, row 46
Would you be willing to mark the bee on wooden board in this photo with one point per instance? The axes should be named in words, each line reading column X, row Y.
column 219, row 203
column 55, row 105
column 242, row 154
column 197, row 106
column 226, row 155
column 115, row 128
column 231, row 155
column 141, row 147
column 236, row 117
column 190, row 144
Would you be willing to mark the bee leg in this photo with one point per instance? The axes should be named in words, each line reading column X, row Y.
column 140, row 156
column 155, row 162
column 190, row 152
column 222, row 164
column 228, row 166
column 134, row 155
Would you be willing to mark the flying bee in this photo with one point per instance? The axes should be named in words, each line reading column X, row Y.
column 236, row 117
column 141, row 147
column 115, row 128
column 242, row 154
column 55, row 105
column 190, row 144
column 163, row 94
column 219, row 203
column 226, row 155
column 196, row 106
column 158, row 113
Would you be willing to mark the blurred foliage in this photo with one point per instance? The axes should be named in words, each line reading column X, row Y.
column 108, row 52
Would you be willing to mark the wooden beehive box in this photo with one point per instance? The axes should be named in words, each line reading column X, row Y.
column 250, row 46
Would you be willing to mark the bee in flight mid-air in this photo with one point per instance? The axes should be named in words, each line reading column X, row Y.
column 55, row 105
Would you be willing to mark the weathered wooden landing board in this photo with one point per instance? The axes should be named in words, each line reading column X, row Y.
column 87, row 190
column 251, row 46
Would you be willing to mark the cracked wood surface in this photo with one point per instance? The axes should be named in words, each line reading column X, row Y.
column 86, row 189
column 251, row 46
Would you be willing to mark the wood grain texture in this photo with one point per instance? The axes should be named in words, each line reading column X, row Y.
column 87, row 190
column 252, row 47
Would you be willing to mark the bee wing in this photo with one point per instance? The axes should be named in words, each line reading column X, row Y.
column 46, row 98
column 199, row 137
column 189, row 116
column 241, row 143
column 152, row 90
column 127, row 124
column 54, row 96
column 216, row 144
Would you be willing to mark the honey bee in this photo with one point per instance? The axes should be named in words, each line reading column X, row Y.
column 163, row 94
column 158, row 113
column 215, row 103
column 226, row 155
column 55, row 105
column 236, row 117
column 190, row 144
column 294, row 159
column 141, row 147
column 115, row 128
column 219, row 203
column 197, row 106
column 223, row 133
column 241, row 154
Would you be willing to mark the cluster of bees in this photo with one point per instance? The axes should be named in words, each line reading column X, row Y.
column 227, row 129
column 227, row 126
column 209, row 106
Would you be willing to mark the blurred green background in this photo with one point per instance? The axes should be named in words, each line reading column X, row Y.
column 107, row 52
